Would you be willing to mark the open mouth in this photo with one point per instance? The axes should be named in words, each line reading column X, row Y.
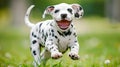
column 63, row 24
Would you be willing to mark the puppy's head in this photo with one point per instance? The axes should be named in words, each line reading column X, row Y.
column 64, row 13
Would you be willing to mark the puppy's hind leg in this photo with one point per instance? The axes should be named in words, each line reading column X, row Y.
column 35, row 50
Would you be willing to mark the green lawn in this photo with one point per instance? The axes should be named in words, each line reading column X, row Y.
column 100, row 43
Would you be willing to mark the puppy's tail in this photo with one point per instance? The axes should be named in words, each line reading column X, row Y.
column 27, row 21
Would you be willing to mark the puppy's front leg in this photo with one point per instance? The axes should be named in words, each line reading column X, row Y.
column 50, row 46
column 74, row 49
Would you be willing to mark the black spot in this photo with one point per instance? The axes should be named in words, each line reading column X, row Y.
column 34, row 41
column 52, row 30
column 70, row 10
column 75, row 41
column 60, row 33
column 56, row 37
column 71, row 25
column 45, row 39
column 47, row 23
column 53, row 34
column 51, row 25
column 42, row 31
column 46, row 34
column 51, row 47
column 34, row 52
column 77, row 15
column 73, row 47
column 33, row 35
column 67, row 33
column 75, row 34
column 56, row 11
column 50, row 34
column 72, row 56
column 40, row 25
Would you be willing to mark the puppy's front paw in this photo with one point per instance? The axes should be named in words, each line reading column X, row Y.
column 56, row 55
column 74, row 56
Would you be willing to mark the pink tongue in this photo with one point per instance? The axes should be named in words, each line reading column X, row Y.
column 63, row 24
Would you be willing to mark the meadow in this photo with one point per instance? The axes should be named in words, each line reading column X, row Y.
column 99, row 41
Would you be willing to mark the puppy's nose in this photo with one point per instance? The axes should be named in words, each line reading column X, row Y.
column 63, row 16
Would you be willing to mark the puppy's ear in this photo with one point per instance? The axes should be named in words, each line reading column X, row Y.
column 78, row 10
column 48, row 10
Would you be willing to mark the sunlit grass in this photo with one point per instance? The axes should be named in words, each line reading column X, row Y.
column 96, row 46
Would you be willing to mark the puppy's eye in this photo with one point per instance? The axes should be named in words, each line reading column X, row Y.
column 70, row 10
column 80, row 8
column 56, row 11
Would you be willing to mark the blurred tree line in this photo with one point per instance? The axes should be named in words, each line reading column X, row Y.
column 91, row 7
column 103, row 8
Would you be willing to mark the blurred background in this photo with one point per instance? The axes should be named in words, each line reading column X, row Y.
column 98, row 32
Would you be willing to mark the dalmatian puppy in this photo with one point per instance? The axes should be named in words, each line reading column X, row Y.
column 56, row 35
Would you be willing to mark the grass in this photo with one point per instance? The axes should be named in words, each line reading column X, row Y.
column 97, row 44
